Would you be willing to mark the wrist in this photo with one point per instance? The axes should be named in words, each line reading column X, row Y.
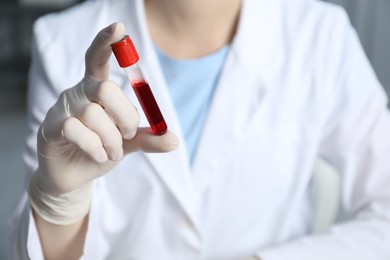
column 60, row 209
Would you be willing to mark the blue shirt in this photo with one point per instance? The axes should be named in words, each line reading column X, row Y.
column 191, row 84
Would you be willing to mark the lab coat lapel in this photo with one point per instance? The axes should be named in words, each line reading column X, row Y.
column 254, row 61
column 173, row 167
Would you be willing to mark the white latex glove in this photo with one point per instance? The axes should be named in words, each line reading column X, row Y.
column 84, row 135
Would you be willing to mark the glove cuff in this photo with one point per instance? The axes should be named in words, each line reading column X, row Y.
column 64, row 209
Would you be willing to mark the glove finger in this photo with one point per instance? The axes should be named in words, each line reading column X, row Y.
column 70, row 102
column 116, row 104
column 98, row 54
column 147, row 142
column 96, row 119
column 86, row 139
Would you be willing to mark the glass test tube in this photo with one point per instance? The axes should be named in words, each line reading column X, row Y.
column 127, row 57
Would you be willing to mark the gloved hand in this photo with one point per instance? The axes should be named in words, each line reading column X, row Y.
column 84, row 135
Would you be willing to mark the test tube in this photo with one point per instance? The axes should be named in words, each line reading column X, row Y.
column 127, row 57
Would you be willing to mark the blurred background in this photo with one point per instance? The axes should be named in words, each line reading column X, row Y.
column 370, row 18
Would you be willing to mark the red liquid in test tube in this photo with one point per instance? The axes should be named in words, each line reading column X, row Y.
column 127, row 57
column 150, row 107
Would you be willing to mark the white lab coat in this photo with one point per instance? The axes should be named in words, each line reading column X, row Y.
column 296, row 85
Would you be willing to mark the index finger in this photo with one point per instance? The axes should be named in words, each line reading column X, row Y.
column 98, row 54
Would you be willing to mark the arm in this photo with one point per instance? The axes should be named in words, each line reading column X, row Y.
column 83, row 136
column 62, row 241
column 356, row 141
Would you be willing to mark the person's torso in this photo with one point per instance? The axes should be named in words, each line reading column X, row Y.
column 247, row 188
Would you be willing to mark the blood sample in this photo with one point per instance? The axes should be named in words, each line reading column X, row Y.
column 127, row 57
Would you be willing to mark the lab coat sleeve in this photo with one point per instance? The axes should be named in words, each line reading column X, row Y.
column 24, row 238
column 356, row 140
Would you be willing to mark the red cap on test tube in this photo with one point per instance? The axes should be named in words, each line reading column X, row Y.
column 125, row 52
